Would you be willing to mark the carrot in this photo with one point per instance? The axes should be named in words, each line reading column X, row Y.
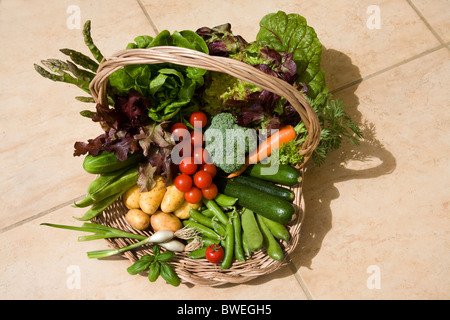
column 284, row 135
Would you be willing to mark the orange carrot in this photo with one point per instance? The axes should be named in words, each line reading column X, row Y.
column 264, row 150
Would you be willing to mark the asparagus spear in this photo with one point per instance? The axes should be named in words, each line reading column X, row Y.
column 81, row 59
column 90, row 43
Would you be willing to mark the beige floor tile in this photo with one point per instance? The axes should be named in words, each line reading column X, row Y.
column 46, row 263
column 341, row 28
column 382, row 209
column 40, row 119
column 437, row 14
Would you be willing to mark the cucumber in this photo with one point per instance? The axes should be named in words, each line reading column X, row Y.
column 266, row 186
column 285, row 175
column 260, row 202
column 106, row 162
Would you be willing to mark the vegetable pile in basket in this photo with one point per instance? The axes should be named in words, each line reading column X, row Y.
column 191, row 152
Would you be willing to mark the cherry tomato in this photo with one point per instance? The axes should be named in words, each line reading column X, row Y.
column 201, row 156
column 179, row 131
column 194, row 195
column 202, row 179
column 196, row 139
column 199, row 117
column 210, row 192
column 210, row 168
column 187, row 165
column 183, row 182
column 214, row 253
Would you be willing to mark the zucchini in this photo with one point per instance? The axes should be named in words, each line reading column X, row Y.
column 260, row 202
column 285, row 175
column 106, row 162
column 278, row 191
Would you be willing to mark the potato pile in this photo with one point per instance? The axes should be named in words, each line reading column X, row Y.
column 162, row 207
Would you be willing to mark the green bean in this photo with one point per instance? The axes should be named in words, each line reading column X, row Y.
column 229, row 247
column 85, row 202
column 98, row 207
column 200, row 218
column 238, row 250
column 198, row 254
column 273, row 248
column 224, row 200
column 214, row 207
column 168, row 274
column 251, row 229
column 277, row 229
column 208, row 232
column 90, row 43
column 154, row 271
column 122, row 183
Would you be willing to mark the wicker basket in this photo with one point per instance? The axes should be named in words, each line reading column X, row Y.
column 200, row 271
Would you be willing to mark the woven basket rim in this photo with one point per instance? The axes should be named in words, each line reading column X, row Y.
column 190, row 270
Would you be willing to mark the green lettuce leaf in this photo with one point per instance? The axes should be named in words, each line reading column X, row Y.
column 290, row 33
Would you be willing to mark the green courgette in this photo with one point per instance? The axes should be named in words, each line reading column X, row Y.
column 260, row 202
column 268, row 187
column 108, row 162
column 285, row 175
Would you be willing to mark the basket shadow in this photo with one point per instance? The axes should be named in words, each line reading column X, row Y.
column 319, row 182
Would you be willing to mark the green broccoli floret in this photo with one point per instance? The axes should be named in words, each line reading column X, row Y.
column 227, row 143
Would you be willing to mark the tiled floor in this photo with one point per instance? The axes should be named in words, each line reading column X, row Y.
column 377, row 216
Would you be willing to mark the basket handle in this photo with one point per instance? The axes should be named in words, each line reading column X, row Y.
column 235, row 68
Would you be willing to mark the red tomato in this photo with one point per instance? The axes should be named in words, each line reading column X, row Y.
column 196, row 139
column 194, row 195
column 210, row 192
column 187, row 165
column 214, row 253
column 183, row 182
column 210, row 168
column 200, row 118
column 179, row 131
column 202, row 179
column 201, row 156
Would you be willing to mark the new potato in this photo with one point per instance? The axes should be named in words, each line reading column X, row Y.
column 172, row 200
column 131, row 198
column 165, row 221
column 183, row 211
column 137, row 219
column 150, row 201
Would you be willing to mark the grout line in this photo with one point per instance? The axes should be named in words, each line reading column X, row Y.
column 155, row 29
column 420, row 55
column 421, row 16
column 300, row 280
column 40, row 214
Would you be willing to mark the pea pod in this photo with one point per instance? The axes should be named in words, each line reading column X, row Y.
column 229, row 247
column 121, row 184
column 198, row 254
column 238, row 250
column 224, row 200
column 251, row 229
column 273, row 248
column 104, row 180
column 153, row 271
column 245, row 246
column 277, row 229
column 214, row 207
column 168, row 274
column 85, row 202
column 200, row 218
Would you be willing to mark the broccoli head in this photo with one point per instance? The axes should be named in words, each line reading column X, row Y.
column 227, row 143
